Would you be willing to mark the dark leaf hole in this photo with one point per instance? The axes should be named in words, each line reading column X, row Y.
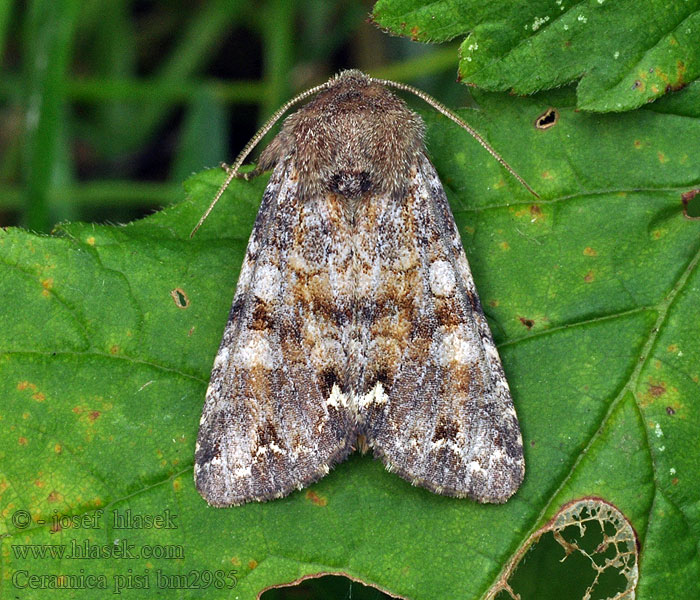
column 543, row 575
column 180, row 298
column 547, row 119
column 326, row 587
column 588, row 551
column 691, row 204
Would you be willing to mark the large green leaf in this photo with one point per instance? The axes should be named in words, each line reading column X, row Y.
column 624, row 52
column 107, row 335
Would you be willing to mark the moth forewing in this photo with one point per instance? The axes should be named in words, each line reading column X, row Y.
column 435, row 403
column 355, row 315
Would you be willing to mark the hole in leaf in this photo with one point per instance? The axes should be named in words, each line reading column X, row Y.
column 325, row 587
column 180, row 298
column 547, row 119
column 587, row 551
column 691, row 204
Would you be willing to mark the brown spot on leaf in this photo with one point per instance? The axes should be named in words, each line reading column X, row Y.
column 657, row 389
column 53, row 496
column 589, row 277
column 22, row 441
column 39, row 397
column 315, row 498
column 39, row 483
column 58, row 448
column 547, row 119
column 94, row 415
column 691, row 205
column 588, row 251
column 415, row 33
column 680, row 76
column 529, row 323
column 536, row 213
column 23, row 385
column 252, row 564
column 662, row 157
column 114, row 349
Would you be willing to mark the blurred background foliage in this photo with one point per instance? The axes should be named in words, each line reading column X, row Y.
column 106, row 107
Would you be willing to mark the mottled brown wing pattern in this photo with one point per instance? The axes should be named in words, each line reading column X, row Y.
column 431, row 397
column 355, row 313
column 276, row 415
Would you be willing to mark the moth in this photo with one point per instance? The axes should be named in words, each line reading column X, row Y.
column 355, row 318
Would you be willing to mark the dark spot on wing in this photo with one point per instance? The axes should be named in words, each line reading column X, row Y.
column 475, row 302
column 267, row 434
column 381, row 375
column 261, row 318
column 210, row 447
column 350, row 184
column 328, row 377
column 445, row 430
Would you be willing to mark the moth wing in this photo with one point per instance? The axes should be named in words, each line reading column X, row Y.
column 433, row 401
column 276, row 417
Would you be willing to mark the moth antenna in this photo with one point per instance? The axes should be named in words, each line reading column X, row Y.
column 437, row 105
column 233, row 169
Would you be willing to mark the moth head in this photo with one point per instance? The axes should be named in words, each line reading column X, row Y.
column 355, row 137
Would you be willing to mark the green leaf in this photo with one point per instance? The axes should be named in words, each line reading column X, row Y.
column 107, row 336
column 625, row 53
